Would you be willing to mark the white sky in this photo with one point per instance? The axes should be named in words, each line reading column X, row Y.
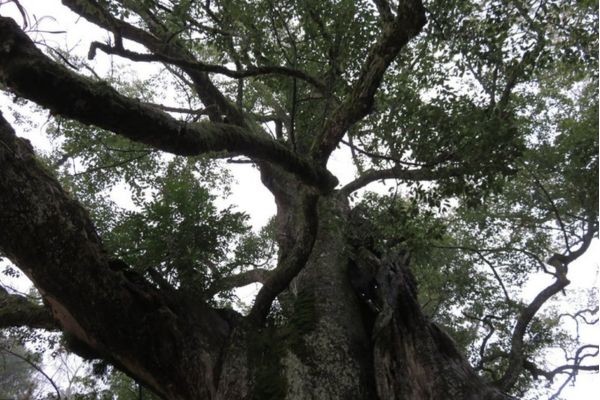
column 249, row 194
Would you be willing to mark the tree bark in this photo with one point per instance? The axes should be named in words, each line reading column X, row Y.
column 339, row 344
column 359, row 347
column 333, row 357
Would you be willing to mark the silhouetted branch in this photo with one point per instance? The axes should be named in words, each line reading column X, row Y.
column 203, row 67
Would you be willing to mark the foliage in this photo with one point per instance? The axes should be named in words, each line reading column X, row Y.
column 487, row 120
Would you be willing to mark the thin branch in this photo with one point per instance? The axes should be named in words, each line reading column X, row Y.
column 110, row 166
column 571, row 370
column 21, row 10
column 530, row 254
column 554, row 210
column 34, row 366
column 580, row 314
column 202, row 67
column 491, row 329
column 397, row 172
column 496, row 275
column 156, row 42
column 370, row 154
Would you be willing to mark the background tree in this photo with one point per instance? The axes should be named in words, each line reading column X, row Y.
column 482, row 115
column 17, row 379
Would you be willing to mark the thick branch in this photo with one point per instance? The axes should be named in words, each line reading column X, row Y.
column 17, row 310
column 52, row 240
column 29, row 73
column 291, row 261
column 396, row 34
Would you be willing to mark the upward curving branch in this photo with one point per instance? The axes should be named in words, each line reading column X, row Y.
column 561, row 263
column 397, row 33
column 29, row 73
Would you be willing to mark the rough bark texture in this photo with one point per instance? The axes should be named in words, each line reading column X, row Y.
column 50, row 237
column 334, row 361
column 336, row 346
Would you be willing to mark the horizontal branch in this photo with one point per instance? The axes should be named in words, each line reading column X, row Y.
column 203, row 67
column 17, row 310
column 29, row 73
column 571, row 369
column 549, row 375
column 397, row 172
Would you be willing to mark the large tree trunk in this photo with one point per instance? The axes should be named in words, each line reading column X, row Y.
column 327, row 338
column 340, row 344
column 333, row 359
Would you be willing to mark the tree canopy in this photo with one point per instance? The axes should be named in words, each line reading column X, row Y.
column 471, row 129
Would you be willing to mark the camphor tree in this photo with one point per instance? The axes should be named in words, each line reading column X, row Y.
column 481, row 116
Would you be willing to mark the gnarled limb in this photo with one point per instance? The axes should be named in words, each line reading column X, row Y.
column 561, row 263
column 29, row 73
column 292, row 258
column 128, row 322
